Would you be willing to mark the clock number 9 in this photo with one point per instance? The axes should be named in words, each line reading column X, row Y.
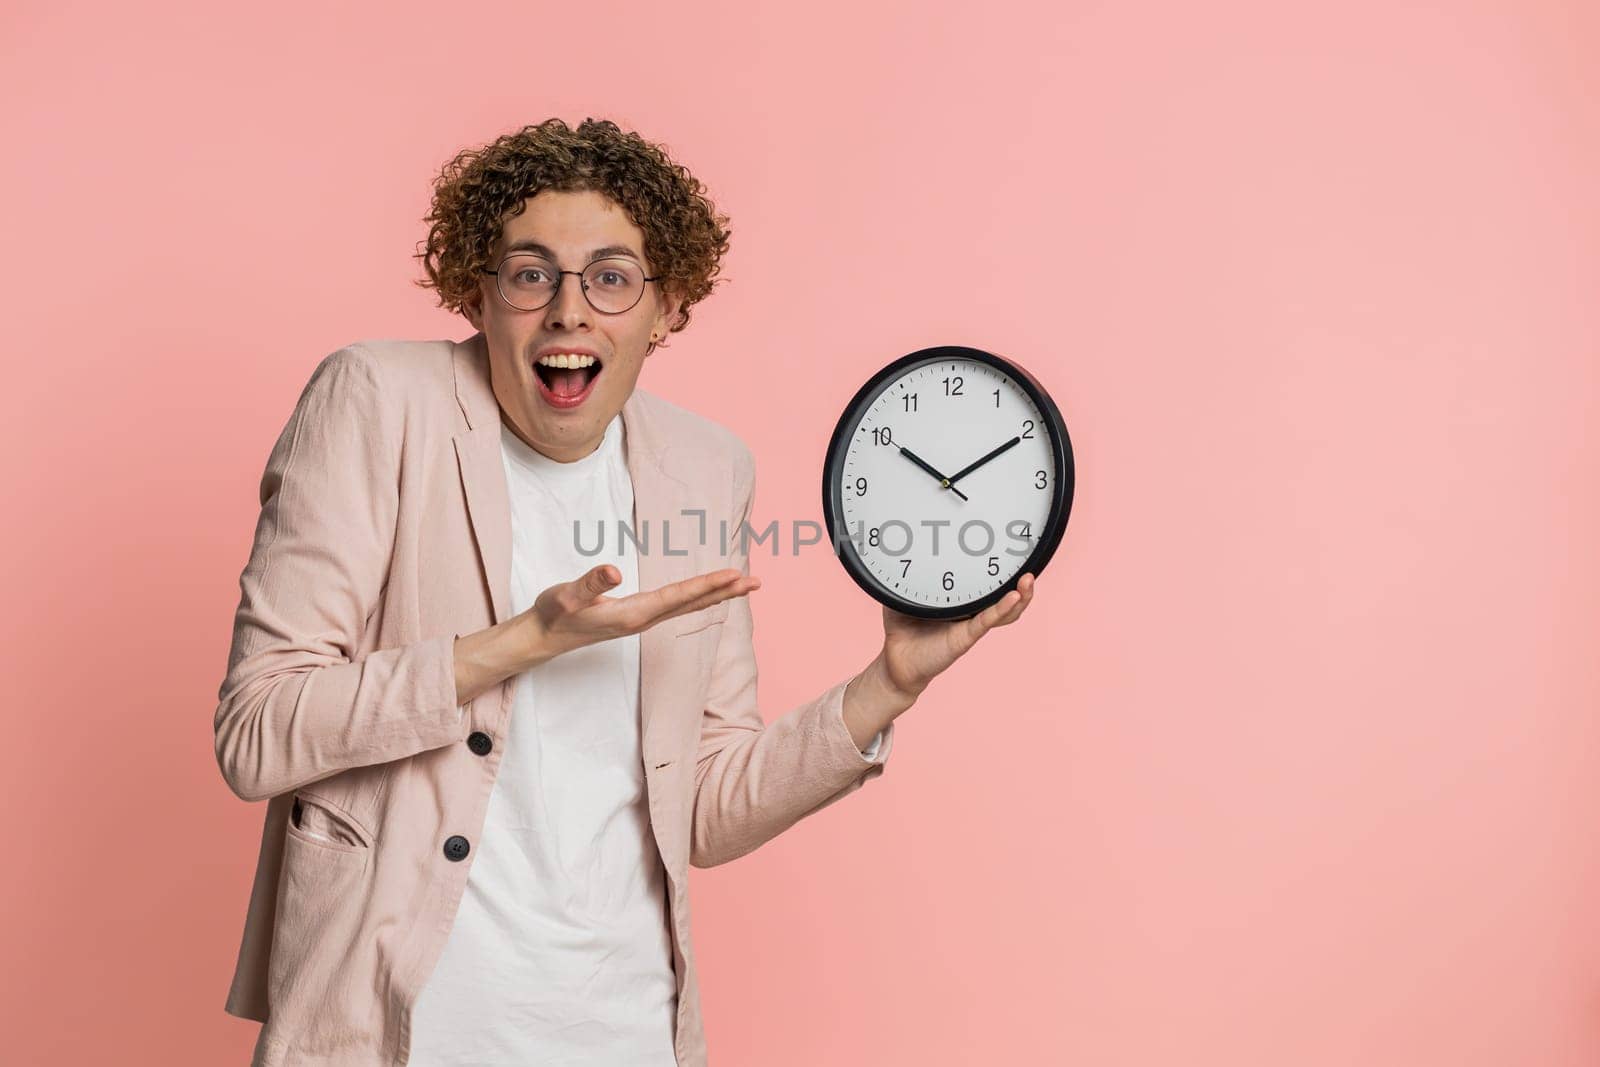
column 861, row 487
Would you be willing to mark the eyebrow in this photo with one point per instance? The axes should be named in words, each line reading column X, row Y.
column 527, row 245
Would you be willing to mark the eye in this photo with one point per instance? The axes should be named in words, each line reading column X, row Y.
column 529, row 276
column 610, row 278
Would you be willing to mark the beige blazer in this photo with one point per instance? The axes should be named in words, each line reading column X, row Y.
column 384, row 533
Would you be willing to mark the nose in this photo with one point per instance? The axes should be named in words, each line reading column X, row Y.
column 570, row 308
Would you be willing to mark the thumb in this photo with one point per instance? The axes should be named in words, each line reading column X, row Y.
column 597, row 581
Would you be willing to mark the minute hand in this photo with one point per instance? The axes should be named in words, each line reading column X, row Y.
column 975, row 464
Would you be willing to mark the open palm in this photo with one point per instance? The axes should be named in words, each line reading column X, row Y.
column 581, row 612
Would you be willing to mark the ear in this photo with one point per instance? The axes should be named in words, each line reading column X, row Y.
column 667, row 317
column 473, row 310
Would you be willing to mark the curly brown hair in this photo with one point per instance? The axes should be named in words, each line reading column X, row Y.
column 684, row 236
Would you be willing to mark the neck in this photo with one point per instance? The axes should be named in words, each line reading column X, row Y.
column 566, row 455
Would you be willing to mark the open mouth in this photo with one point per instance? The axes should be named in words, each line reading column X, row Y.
column 565, row 381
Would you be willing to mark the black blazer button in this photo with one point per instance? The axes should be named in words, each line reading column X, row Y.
column 479, row 742
column 456, row 848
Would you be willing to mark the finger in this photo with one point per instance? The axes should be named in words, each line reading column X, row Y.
column 682, row 593
column 597, row 581
column 642, row 609
column 737, row 588
column 1025, row 597
column 1013, row 613
column 992, row 615
column 1004, row 607
column 727, row 592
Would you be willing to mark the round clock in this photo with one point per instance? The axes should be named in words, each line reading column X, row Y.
column 948, row 477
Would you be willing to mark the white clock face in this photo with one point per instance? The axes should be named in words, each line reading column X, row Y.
column 945, row 545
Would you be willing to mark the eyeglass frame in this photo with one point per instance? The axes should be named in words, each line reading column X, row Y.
column 560, row 280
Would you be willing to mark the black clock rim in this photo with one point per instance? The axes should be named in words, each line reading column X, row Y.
column 1060, row 502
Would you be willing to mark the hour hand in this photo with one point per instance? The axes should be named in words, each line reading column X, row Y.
column 919, row 461
column 975, row 464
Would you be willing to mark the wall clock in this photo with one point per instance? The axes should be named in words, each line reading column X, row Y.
column 948, row 477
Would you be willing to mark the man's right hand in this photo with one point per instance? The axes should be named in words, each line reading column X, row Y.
column 578, row 613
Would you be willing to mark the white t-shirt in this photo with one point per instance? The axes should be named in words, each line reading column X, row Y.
column 560, row 953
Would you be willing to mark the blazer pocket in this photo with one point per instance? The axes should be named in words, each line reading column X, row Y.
column 695, row 621
column 321, row 822
column 317, row 917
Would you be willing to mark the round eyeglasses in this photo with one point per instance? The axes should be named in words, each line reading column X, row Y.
column 528, row 282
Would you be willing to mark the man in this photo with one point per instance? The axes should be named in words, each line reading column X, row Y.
column 489, row 764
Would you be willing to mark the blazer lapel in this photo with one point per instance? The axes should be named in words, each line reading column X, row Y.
column 659, row 498
column 483, row 475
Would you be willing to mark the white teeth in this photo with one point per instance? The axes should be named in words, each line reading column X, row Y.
column 566, row 359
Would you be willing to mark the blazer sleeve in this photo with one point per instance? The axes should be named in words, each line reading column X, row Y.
column 296, row 705
column 754, row 780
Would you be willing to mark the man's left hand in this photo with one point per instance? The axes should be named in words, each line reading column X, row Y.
column 915, row 651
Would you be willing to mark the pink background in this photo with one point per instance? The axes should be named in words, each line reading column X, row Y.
column 1293, row 760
